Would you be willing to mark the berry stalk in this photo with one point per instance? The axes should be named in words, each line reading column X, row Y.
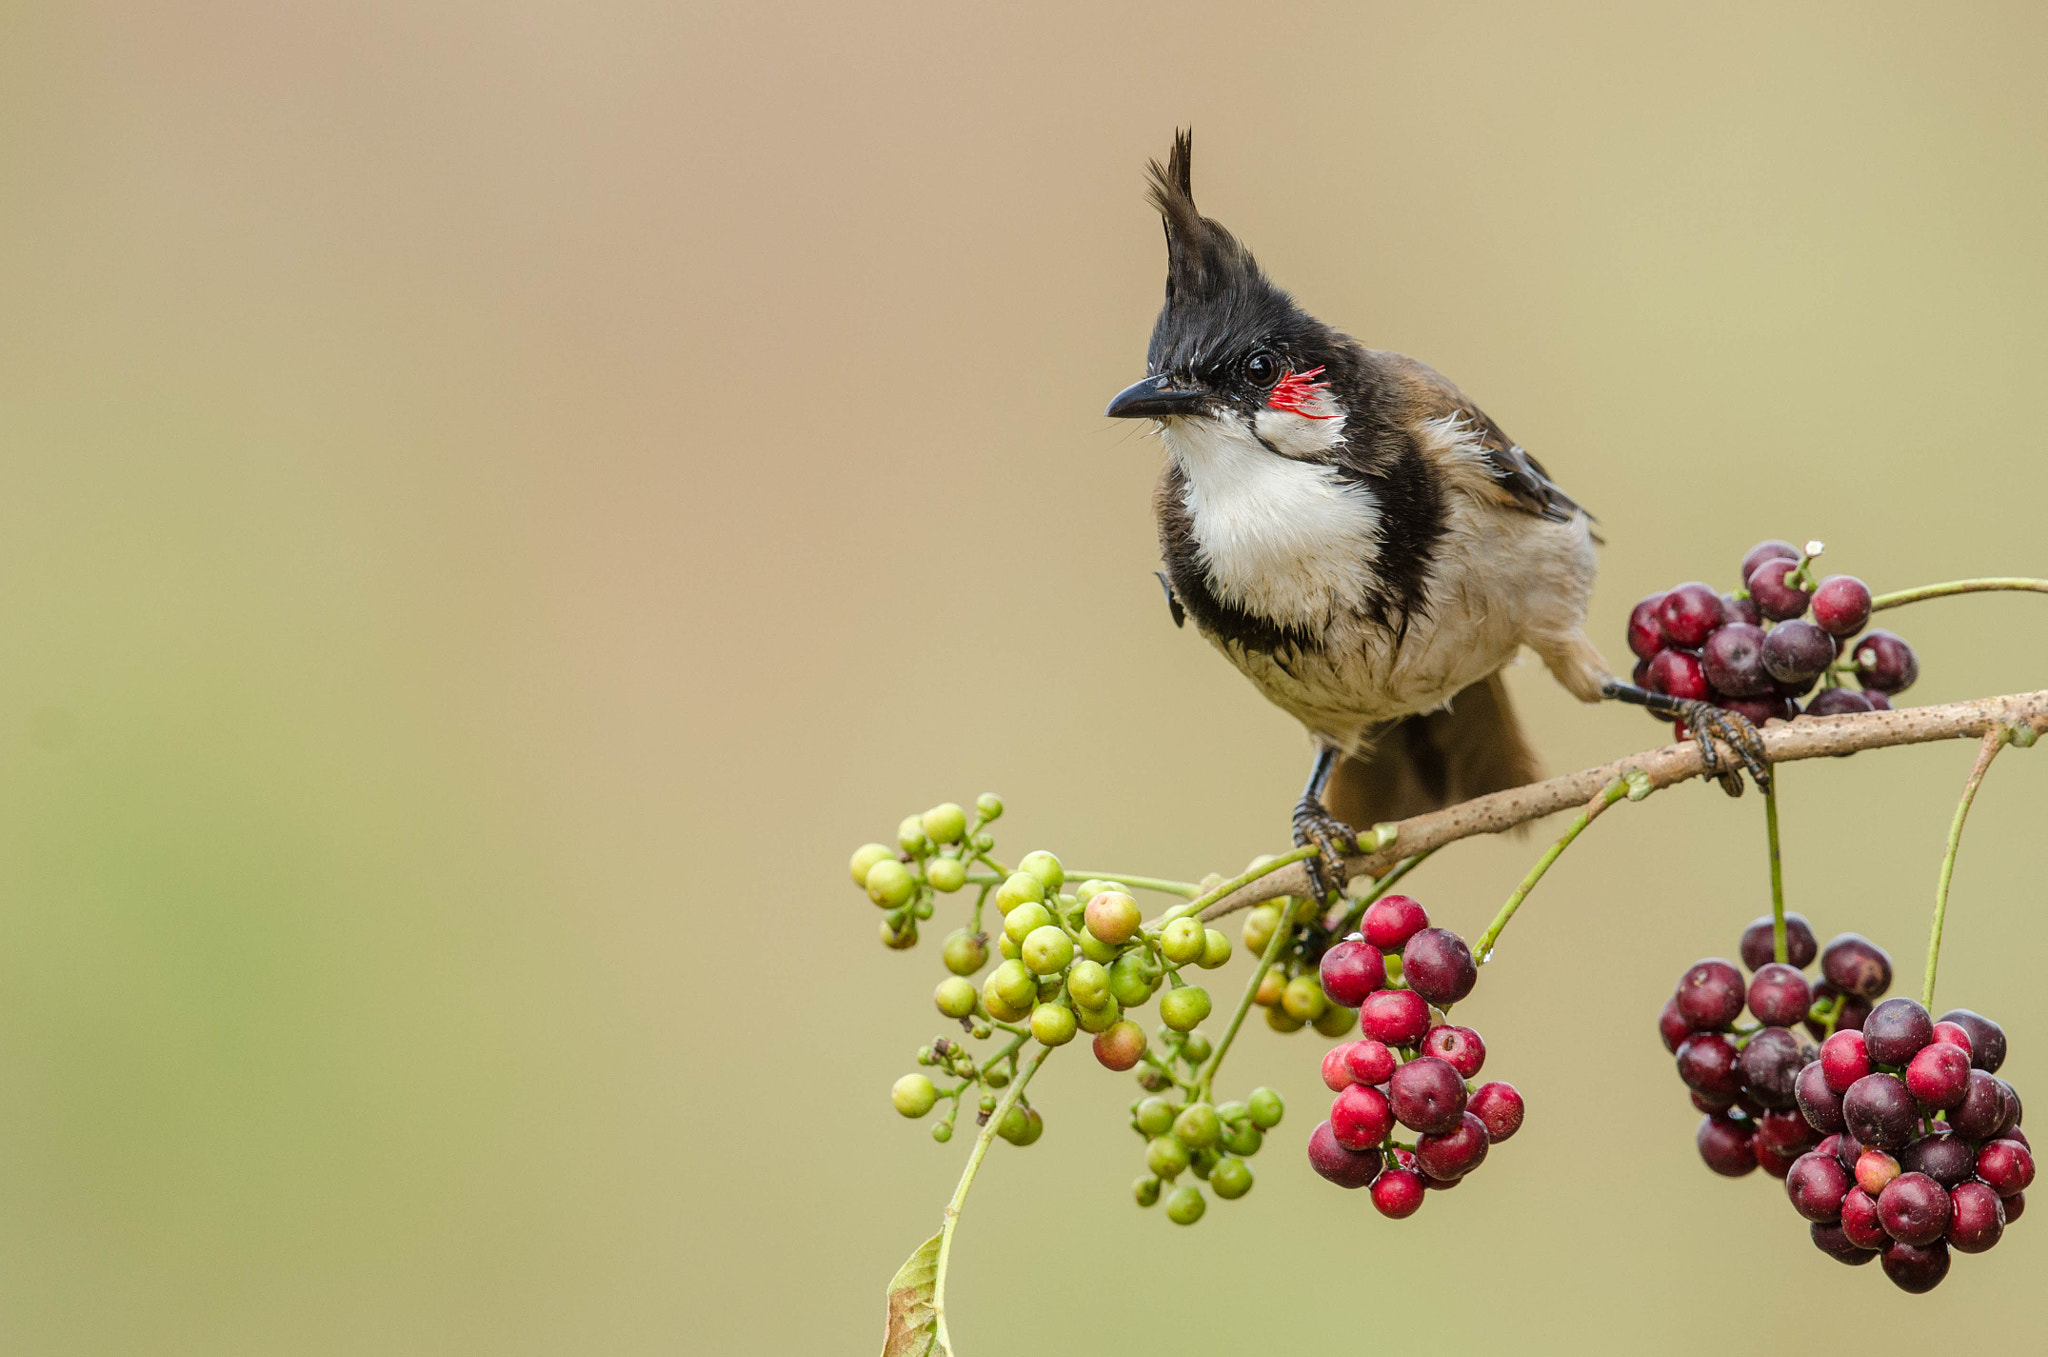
column 1237, row 883
column 1977, row 586
column 1187, row 890
column 974, row 1158
column 1995, row 739
column 1777, row 873
column 1614, row 791
column 1283, row 933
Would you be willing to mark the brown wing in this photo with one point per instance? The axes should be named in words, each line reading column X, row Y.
column 1424, row 763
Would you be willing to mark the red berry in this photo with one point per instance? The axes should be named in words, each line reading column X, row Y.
column 1397, row 1017
column 1453, row 1155
column 1816, row 1185
column 1689, row 614
column 1360, row 1117
column 1336, row 1076
column 1397, row 1193
column 1438, row 965
column 1987, row 1038
column 1706, row 1062
column 2006, row 1166
column 1370, row 1062
column 1939, row 1075
column 1427, row 1095
column 1841, row 605
column 1351, row 970
column 1672, row 1026
column 1724, row 1144
column 1860, row 1222
column 1770, row 588
column 1645, row 632
column 1393, row 919
column 1781, row 1137
column 1345, row 1168
column 1710, row 994
column 1976, row 1217
column 1954, row 1034
column 2015, row 1204
column 1499, row 1108
column 1675, row 673
column 1914, row 1209
column 1779, row 995
column 1875, row 1170
column 1460, row 1046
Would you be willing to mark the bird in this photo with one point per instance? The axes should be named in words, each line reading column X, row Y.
column 1364, row 544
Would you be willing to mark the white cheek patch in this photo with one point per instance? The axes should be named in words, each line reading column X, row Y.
column 1311, row 436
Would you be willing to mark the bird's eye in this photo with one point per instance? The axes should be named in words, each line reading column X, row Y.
column 1262, row 369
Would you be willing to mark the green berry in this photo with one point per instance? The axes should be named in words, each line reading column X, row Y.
column 1215, row 949
column 1049, row 987
column 1242, row 1138
column 1020, row 889
column 1234, row 1111
column 1090, row 888
column 890, row 884
column 925, row 1055
column 1195, row 1048
column 1146, row 1191
column 1166, row 1156
column 1113, row 917
column 1045, row 867
column 1266, row 1108
column 1047, row 950
column 1096, row 1020
column 984, row 843
column 946, row 874
column 995, row 1077
column 1337, row 1020
column 1198, row 1126
column 899, row 936
column 1131, row 981
column 1015, row 1125
column 945, row 823
column 1155, row 1116
column 988, row 805
column 1153, row 1080
column 942, row 1132
column 1231, row 1179
column 922, row 909
column 1203, row 1162
column 1095, row 949
column 1014, row 981
column 1258, row 929
column 911, row 835
column 1088, row 982
column 1186, row 1205
column 1271, row 986
column 955, row 996
column 1020, row 922
column 1007, row 948
column 988, row 1102
column 964, row 953
column 913, row 1095
column 866, row 856
column 1052, row 1024
column 1280, row 1020
column 1303, row 999
column 1182, row 941
column 1183, row 1009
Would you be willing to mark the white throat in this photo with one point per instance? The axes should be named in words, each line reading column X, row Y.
column 1283, row 539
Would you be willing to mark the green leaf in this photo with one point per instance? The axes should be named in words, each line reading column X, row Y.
column 915, row 1329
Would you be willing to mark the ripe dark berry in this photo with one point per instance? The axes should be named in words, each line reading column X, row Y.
column 1779, row 995
column 1770, row 550
column 1915, row 1270
column 1758, row 710
column 1460, row 1046
column 1345, row 1168
column 1860, row 1222
column 1678, row 674
column 1800, row 946
column 1945, row 1158
column 1818, row 1103
column 1427, row 1095
column 1708, row 1102
column 1710, row 995
column 1689, row 614
column 1816, row 1185
column 2015, row 1204
column 1914, row 1209
column 1877, row 700
column 2013, row 1111
column 1444, row 1157
column 1645, row 632
column 2006, row 1166
column 1369, row 1062
column 1987, row 1038
column 1775, row 596
column 1834, row 1241
column 1976, row 1217
column 1880, row 1112
column 1855, row 965
column 1781, row 1137
column 1981, row 1113
column 1896, row 1030
column 1706, row 1062
column 1725, row 1145
column 1672, row 1026
column 1939, row 1074
column 1735, row 610
column 1733, row 660
column 1838, row 702
column 1360, row 1117
column 1397, row 1193
column 1770, row 1065
column 1499, row 1108
column 1393, row 919
column 1351, row 970
column 1885, row 663
column 1797, row 652
column 1841, row 605
column 1396, row 1017
column 1438, row 966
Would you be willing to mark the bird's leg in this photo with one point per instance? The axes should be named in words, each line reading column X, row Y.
column 1313, row 824
column 1706, row 721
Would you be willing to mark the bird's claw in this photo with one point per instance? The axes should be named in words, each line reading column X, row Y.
column 1331, row 838
column 1708, row 723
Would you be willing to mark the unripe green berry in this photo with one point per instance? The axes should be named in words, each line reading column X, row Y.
column 1021, row 888
column 1007, row 948
column 942, row 1132
column 944, row 823
column 1258, row 928
column 922, row 909
column 1146, row 1191
column 1182, row 941
column 988, row 1102
column 954, row 996
column 1153, row 1080
column 1183, row 1009
column 1233, row 1112
column 1114, row 917
column 1194, row 1048
column 1166, row 1156
column 995, row 1077
column 1095, row 949
column 1215, row 949
column 899, row 937
column 1280, row 1020
column 1020, row 922
column 1015, row 1125
column 1303, row 999
column 988, row 805
column 1129, row 980
column 1052, row 1024
column 866, row 856
column 1094, row 1020
column 890, row 884
column 1198, row 1126
column 1231, row 1179
column 1394, row 977
column 1266, row 1107
column 913, row 1095
column 1155, row 1116
column 1088, row 982
column 946, row 874
column 1014, row 981
column 1045, row 867
column 1202, row 1162
column 1186, row 1204
column 911, row 835
column 984, row 843
column 1242, row 1137
column 1089, row 889
column 1271, row 986
column 925, row 1055
column 964, row 953
column 1337, row 1020
column 1047, row 950
column 982, row 1031
column 1049, row 987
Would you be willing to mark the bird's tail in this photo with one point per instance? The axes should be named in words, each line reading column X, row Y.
column 1423, row 763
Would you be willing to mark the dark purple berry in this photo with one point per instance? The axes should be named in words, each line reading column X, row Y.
column 1855, row 965
column 1733, row 658
column 1706, row 1061
column 1914, row 1209
column 1781, row 1137
column 1428, row 1095
column 1976, row 1217
column 1877, row 700
column 1981, row 1113
column 1645, row 632
column 1816, row 1185
column 2015, row 1204
column 1819, row 1104
column 1345, row 1168
column 1672, row 1026
column 1689, row 614
column 1880, row 1112
column 1725, row 1145
column 1757, row 710
column 1797, row 652
column 1841, row 605
column 1775, row 595
column 1351, row 970
column 1438, row 966
column 1710, row 994
column 1884, row 662
column 1676, row 673
column 1838, row 702
column 1800, row 947
column 1708, row 1102
column 1444, row 1157
column 1779, row 995
column 1896, row 1030
column 1915, row 1270
column 1770, row 1065
column 1834, row 1241
column 1987, row 1038
column 1499, row 1109
column 1945, row 1158
column 1771, row 550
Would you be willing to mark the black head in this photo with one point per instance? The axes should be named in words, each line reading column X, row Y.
column 1226, row 335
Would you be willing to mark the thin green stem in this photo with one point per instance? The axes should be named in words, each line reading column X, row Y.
column 1187, row 890
column 1608, row 795
column 974, row 1158
column 1379, row 888
column 1210, row 897
column 1994, row 740
column 1978, row 586
column 1282, row 932
column 1777, row 871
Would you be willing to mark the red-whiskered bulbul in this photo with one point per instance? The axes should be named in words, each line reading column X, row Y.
column 1362, row 542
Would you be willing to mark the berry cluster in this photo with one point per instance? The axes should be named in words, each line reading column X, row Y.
column 1744, row 1076
column 1211, row 1142
column 1755, row 652
column 1923, row 1153
column 1291, row 991
column 1411, row 1067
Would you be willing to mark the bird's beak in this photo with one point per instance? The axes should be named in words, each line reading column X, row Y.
column 1155, row 398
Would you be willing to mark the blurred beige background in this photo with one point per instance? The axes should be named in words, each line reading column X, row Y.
column 500, row 499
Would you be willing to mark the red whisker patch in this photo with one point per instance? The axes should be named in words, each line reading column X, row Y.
column 1296, row 392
